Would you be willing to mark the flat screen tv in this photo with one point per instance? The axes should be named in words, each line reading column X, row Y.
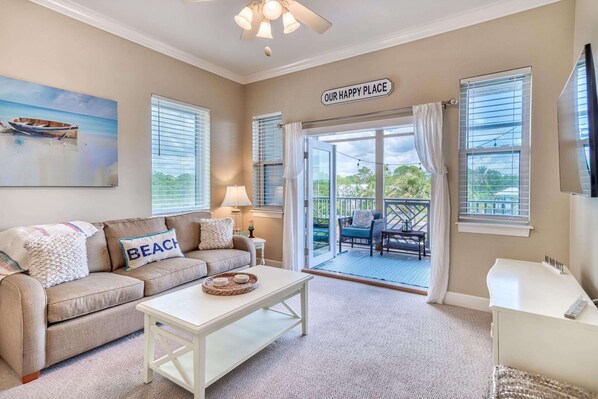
column 578, row 129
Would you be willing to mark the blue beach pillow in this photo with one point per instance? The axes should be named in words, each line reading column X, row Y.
column 139, row 251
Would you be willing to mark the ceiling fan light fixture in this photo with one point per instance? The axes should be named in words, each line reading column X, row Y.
column 243, row 19
column 290, row 23
column 272, row 9
column 265, row 30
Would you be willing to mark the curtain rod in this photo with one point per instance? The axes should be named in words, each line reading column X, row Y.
column 388, row 112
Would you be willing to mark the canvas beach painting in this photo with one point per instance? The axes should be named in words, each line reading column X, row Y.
column 55, row 137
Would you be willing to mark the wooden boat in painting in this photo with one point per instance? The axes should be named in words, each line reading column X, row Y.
column 42, row 127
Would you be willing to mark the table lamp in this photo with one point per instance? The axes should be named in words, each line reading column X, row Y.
column 236, row 196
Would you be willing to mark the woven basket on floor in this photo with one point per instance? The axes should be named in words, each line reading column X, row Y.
column 509, row 383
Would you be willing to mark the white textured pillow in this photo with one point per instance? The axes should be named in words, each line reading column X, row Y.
column 57, row 259
column 142, row 250
column 12, row 241
column 216, row 233
column 362, row 219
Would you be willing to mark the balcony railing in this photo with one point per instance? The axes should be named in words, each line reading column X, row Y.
column 399, row 210
column 396, row 211
column 493, row 207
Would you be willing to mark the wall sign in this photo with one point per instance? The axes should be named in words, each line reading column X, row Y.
column 358, row 92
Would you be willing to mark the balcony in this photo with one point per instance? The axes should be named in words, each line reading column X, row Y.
column 396, row 211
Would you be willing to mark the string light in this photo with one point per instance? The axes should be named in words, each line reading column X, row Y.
column 386, row 165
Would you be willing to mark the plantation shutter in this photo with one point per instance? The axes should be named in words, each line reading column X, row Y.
column 494, row 153
column 180, row 157
column 267, row 161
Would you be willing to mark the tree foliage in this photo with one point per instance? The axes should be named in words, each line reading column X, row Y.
column 484, row 183
column 402, row 182
column 173, row 191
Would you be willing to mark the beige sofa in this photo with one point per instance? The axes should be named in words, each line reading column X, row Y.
column 40, row 327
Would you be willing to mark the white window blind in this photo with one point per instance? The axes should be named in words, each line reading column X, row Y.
column 267, row 161
column 494, row 151
column 180, row 157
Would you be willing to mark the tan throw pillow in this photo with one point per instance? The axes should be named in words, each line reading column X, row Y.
column 57, row 259
column 362, row 219
column 216, row 233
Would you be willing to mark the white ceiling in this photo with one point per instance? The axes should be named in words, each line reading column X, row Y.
column 205, row 35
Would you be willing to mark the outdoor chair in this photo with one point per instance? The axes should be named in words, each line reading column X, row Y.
column 359, row 235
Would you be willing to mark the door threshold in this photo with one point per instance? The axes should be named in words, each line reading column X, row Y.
column 369, row 281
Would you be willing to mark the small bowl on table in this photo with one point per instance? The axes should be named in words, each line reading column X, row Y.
column 241, row 278
column 220, row 281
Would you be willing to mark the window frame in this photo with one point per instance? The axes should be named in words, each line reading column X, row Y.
column 497, row 224
column 202, row 155
column 259, row 187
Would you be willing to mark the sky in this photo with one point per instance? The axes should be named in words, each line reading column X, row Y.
column 397, row 151
column 22, row 92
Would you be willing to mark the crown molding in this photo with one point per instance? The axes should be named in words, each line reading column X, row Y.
column 454, row 22
column 110, row 25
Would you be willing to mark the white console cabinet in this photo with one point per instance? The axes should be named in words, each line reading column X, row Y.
column 530, row 333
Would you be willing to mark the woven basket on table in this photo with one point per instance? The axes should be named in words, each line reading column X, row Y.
column 231, row 288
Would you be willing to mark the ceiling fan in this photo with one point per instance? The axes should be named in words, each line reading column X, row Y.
column 256, row 16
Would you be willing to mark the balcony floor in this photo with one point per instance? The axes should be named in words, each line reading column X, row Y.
column 392, row 267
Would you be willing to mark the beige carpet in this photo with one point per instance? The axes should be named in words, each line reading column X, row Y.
column 364, row 342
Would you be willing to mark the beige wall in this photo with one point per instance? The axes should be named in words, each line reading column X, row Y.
column 584, row 211
column 42, row 46
column 429, row 70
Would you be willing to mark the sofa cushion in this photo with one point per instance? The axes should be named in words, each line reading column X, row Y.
column 165, row 274
column 98, row 258
column 221, row 260
column 95, row 292
column 129, row 228
column 187, row 228
column 356, row 232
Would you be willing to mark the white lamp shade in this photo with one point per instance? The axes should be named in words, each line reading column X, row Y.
column 289, row 22
column 272, row 9
column 265, row 30
column 243, row 19
column 236, row 196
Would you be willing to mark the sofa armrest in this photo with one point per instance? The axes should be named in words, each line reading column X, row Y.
column 245, row 244
column 23, row 323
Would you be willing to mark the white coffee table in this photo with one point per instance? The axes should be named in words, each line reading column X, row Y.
column 225, row 330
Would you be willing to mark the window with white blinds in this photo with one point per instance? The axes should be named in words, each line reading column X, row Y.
column 180, row 157
column 267, row 161
column 494, row 150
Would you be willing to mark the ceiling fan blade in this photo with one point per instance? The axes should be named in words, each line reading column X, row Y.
column 308, row 17
column 255, row 24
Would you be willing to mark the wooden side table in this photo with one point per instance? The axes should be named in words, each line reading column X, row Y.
column 260, row 244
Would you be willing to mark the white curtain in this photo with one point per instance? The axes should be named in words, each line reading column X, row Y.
column 428, row 143
column 294, row 225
